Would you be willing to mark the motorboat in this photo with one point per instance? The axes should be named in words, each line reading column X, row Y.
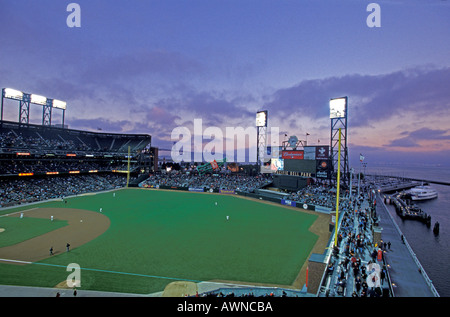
column 423, row 192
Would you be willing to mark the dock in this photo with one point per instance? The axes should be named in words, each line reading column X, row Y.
column 398, row 185
column 405, row 209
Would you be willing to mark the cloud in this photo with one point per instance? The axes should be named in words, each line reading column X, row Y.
column 146, row 63
column 412, row 139
column 372, row 98
column 433, row 134
column 214, row 108
column 385, row 156
column 403, row 142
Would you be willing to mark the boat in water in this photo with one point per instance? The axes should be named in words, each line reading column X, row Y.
column 423, row 192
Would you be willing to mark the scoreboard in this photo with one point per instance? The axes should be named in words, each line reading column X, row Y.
column 311, row 161
column 305, row 166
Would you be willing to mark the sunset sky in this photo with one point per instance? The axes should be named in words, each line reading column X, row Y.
column 140, row 66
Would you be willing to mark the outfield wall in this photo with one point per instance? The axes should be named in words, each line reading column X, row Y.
column 260, row 195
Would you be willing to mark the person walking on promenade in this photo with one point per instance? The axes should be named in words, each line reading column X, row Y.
column 358, row 283
column 382, row 275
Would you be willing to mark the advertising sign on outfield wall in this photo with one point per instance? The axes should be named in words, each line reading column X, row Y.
column 227, row 191
column 288, row 202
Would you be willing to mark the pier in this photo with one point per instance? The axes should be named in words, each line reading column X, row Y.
column 393, row 183
column 396, row 185
column 405, row 209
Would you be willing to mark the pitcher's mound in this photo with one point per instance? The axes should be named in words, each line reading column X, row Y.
column 180, row 289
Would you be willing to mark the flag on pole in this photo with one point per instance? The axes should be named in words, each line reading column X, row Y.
column 361, row 157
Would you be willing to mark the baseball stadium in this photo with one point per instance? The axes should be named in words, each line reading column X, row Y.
column 101, row 212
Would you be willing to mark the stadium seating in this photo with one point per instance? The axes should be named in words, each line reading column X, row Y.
column 49, row 157
column 21, row 191
column 38, row 139
column 242, row 183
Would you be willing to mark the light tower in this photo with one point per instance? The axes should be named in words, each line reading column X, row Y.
column 25, row 99
column 261, row 125
column 338, row 116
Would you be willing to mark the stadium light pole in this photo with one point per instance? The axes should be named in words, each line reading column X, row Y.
column 337, row 190
column 3, row 96
column 128, row 167
column 361, row 159
column 338, row 116
column 47, row 112
column 352, row 170
column 24, row 109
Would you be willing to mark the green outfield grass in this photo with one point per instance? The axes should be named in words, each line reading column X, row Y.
column 157, row 237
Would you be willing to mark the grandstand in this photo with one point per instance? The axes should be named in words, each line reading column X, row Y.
column 47, row 140
column 93, row 161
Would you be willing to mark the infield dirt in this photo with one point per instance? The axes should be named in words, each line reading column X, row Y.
column 83, row 226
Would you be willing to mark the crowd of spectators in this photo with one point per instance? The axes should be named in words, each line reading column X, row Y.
column 269, row 293
column 8, row 139
column 316, row 194
column 34, row 140
column 50, row 139
column 43, row 166
column 237, row 182
column 19, row 191
column 349, row 271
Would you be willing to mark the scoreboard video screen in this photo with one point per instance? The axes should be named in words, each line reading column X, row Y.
column 304, row 166
column 312, row 161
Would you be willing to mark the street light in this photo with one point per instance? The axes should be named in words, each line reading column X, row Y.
column 352, row 170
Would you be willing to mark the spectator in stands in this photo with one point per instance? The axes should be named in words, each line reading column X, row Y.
column 18, row 191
